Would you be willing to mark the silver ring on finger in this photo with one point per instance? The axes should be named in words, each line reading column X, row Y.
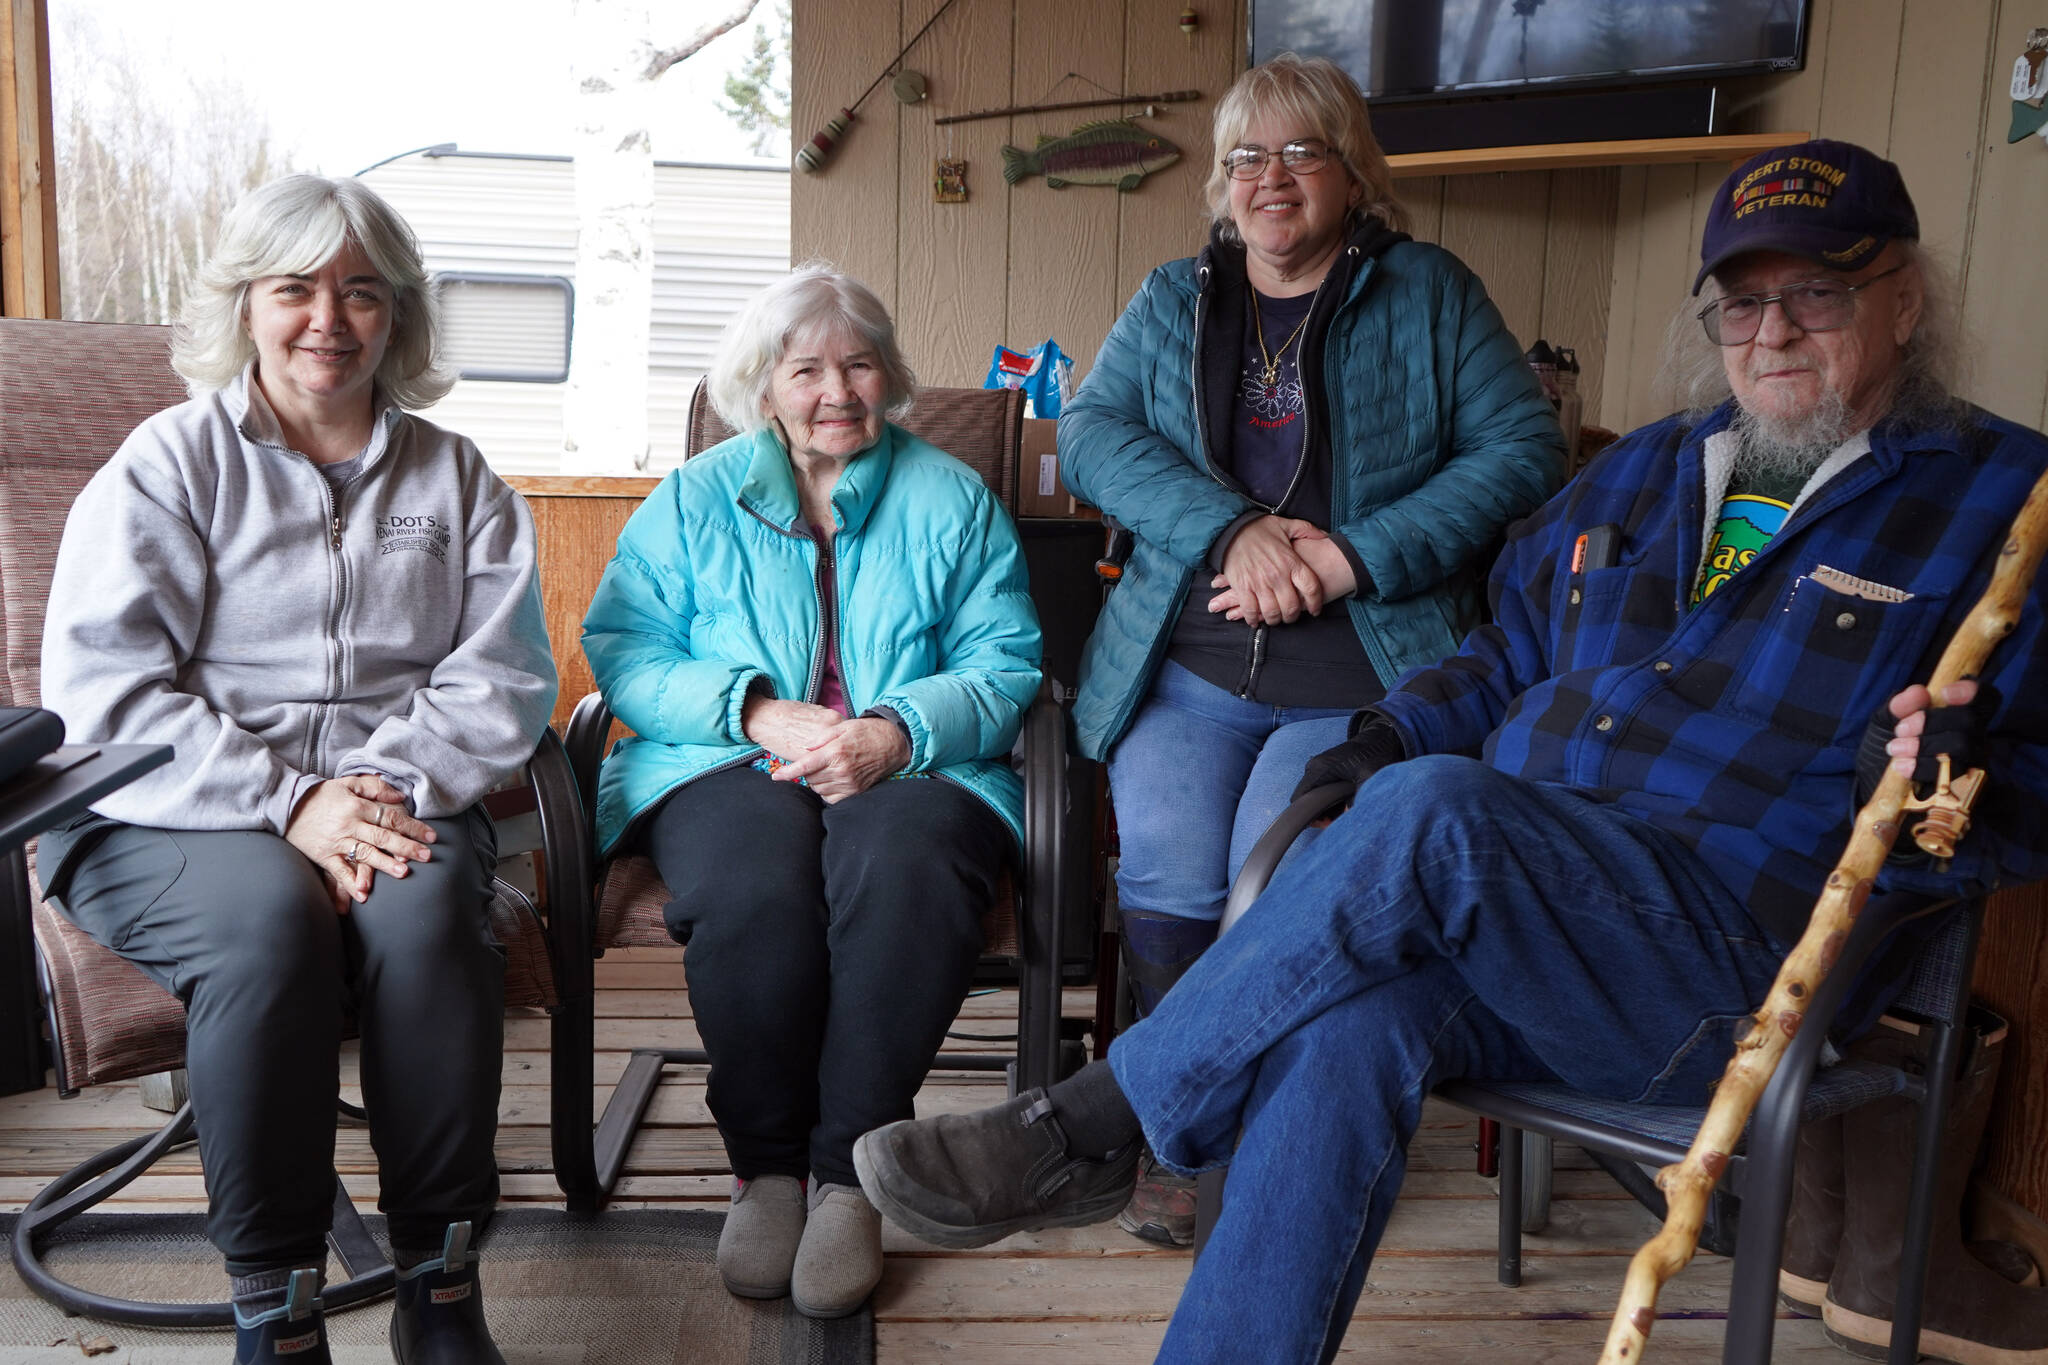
column 355, row 849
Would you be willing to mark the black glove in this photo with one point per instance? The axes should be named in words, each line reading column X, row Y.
column 1958, row 731
column 1372, row 746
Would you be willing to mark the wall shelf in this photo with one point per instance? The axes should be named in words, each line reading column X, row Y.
column 1555, row 156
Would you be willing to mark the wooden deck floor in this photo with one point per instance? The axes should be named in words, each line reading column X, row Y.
column 1089, row 1295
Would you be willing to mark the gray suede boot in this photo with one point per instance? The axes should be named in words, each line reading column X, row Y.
column 762, row 1228
column 840, row 1260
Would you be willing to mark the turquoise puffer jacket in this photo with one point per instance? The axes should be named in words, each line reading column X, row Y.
column 714, row 586
column 1439, row 435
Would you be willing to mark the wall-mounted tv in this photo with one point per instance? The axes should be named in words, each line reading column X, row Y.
column 1433, row 48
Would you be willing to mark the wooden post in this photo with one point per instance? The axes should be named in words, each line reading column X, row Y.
column 28, row 164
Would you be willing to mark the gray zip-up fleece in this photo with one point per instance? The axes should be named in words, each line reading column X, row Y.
column 213, row 593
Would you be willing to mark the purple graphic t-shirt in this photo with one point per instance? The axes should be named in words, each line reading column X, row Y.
column 1268, row 416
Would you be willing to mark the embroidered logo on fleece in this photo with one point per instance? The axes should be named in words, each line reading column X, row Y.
column 427, row 534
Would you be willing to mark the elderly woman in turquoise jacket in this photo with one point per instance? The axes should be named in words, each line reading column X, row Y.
column 820, row 635
column 1315, row 431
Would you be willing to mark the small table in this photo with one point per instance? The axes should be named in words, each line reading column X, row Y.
column 59, row 786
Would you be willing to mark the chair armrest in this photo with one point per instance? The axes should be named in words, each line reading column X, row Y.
column 1043, row 742
column 589, row 724
column 1274, row 843
column 567, row 852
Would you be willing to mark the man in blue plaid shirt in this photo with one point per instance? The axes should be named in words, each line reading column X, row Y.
column 1580, row 847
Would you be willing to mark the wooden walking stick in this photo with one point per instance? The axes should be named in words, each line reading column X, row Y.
column 1687, row 1184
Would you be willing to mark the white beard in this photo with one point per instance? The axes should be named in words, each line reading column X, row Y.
column 1792, row 448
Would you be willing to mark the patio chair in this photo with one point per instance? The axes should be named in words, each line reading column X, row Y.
column 1937, row 937
column 69, row 393
column 982, row 427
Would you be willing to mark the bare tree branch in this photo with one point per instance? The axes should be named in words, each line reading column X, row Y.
column 664, row 60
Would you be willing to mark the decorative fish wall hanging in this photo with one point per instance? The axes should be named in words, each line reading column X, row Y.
column 1111, row 152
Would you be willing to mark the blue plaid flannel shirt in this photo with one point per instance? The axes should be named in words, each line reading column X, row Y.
column 1734, row 724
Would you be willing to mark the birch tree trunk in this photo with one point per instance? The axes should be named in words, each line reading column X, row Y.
column 604, row 413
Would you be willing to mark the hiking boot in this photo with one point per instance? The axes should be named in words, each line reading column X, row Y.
column 294, row 1333
column 437, row 1313
column 839, row 1262
column 1971, row 1313
column 965, row 1180
column 758, row 1244
column 1162, row 1206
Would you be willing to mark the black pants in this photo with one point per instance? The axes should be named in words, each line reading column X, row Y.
column 830, row 948
column 239, row 925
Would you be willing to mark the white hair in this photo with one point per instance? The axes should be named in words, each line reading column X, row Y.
column 1931, row 363
column 813, row 294
column 1316, row 93
column 294, row 226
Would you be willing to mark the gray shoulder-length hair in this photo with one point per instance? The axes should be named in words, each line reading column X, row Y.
column 294, row 226
column 758, row 337
column 1314, row 92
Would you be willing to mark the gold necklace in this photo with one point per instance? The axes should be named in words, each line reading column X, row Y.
column 1271, row 361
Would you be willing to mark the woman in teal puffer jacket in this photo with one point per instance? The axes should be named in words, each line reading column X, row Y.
column 1315, row 432
column 820, row 635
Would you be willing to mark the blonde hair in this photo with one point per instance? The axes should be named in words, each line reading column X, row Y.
column 294, row 226
column 1316, row 92
column 759, row 335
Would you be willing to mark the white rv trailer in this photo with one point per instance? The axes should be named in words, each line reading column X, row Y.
column 499, row 234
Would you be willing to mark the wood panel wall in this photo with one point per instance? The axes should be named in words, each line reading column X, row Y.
column 1924, row 83
column 1015, row 265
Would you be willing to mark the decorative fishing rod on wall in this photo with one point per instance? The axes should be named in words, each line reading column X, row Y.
column 908, row 87
column 1170, row 97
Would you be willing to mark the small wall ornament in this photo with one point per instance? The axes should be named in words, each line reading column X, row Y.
column 2030, row 89
column 949, row 181
column 1110, row 152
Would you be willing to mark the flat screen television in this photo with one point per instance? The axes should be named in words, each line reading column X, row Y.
column 1471, row 67
column 1418, row 48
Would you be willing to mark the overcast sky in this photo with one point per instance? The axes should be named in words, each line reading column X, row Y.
column 348, row 85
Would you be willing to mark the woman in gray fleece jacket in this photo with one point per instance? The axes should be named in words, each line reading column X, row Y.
column 329, row 607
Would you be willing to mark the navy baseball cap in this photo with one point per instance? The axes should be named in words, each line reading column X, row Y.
column 1833, row 202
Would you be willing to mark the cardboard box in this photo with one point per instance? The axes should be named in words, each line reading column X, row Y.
column 1039, row 490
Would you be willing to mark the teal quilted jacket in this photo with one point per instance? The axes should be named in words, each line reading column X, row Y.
column 1439, row 433
column 715, row 584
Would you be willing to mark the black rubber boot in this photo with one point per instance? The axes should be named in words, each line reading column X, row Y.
column 294, row 1333
column 1158, row 950
column 438, row 1318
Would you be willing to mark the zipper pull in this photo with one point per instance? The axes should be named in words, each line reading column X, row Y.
column 334, row 531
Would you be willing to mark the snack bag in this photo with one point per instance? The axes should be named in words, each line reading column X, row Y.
column 1044, row 373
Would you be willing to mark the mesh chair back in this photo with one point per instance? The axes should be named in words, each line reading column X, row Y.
column 982, row 428
column 70, row 392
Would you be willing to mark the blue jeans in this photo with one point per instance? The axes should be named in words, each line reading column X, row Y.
column 1196, row 780
column 1457, row 922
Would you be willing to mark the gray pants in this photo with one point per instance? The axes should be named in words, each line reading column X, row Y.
column 239, row 926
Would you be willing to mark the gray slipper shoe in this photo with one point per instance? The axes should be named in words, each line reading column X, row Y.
column 762, row 1230
column 840, row 1261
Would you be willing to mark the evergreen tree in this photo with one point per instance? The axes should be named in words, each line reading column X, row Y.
column 760, row 104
